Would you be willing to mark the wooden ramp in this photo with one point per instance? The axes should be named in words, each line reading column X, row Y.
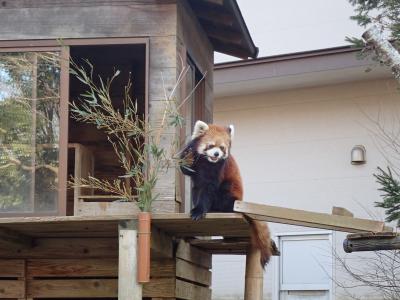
column 290, row 216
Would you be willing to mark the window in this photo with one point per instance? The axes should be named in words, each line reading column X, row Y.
column 305, row 266
column 34, row 123
column 194, row 110
column 29, row 131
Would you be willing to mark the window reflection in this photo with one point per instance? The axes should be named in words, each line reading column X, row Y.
column 29, row 131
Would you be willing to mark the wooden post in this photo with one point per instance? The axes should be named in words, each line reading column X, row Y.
column 253, row 289
column 128, row 288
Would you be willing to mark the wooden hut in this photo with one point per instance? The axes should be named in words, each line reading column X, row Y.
column 59, row 244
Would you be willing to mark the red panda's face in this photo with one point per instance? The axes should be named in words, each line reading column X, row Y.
column 214, row 141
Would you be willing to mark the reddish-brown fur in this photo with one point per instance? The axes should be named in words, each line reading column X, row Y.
column 230, row 176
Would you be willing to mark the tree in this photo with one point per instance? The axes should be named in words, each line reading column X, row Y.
column 382, row 18
column 391, row 194
column 382, row 40
column 380, row 270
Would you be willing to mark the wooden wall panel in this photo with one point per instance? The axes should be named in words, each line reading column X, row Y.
column 72, row 267
column 12, row 268
column 12, row 289
column 194, row 255
column 73, row 288
column 66, row 248
column 192, row 272
column 186, row 290
column 194, row 39
column 78, row 21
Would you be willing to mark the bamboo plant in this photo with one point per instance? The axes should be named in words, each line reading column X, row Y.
column 136, row 143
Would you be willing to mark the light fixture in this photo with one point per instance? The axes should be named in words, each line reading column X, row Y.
column 358, row 155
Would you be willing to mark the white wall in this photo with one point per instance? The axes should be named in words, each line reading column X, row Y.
column 293, row 148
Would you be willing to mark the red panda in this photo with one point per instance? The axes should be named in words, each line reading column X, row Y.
column 216, row 179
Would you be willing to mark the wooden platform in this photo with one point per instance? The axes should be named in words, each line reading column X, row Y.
column 178, row 225
column 48, row 257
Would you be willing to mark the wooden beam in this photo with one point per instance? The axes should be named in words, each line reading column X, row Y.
column 161, row 244
column 215, row 2
column 222, row 246
column 254, row 278
column 371, row 242
column 341, row 211
column 228, row 48
column 304, row 218
column 214, row 16
column 128, row 288
column 225, row 35
column 15, row 238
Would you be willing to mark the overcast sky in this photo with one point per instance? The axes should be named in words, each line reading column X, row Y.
column 285, row 26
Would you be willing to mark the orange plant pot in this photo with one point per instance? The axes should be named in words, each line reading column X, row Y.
column 144, row 232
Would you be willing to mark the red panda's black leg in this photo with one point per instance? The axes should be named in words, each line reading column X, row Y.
column 203, row 199
column 226, row 199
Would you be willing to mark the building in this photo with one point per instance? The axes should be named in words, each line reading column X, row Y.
column 297, row 118
column 41, row 145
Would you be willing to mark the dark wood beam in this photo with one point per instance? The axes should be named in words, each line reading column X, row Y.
column 10, row 237
column 226, row 35
column 228, row 48
column 215, row 2
column 371, row 242
column 215, row 16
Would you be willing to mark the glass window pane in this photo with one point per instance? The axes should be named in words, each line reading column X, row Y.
column 29, row 131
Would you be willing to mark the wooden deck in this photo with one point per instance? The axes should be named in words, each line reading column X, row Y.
column 228, row 225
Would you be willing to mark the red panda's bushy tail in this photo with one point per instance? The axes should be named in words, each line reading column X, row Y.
column 261, row 240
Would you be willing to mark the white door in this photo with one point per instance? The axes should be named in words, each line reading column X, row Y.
column 305, row 268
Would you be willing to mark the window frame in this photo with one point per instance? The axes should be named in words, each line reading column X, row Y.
column 197, row 112
column 302, row 235
column 63, row 47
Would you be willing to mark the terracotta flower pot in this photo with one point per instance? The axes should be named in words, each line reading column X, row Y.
column 144, row 231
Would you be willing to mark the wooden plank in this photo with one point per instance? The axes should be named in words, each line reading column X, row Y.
column 174, row 224
column 222, row 246
column 160, row 287
column 73, row 288
column 12, row 289
column 72, row 267
column 163, row 52
column 14, row 238
column 58, row 230
column 128, row 287
column 156, row 217
column 341, row 211
column 190, row 291
column 161, row 268
column 66, row 248
column 214, row 224
column 191, row 272
column 12, row 268
column 79, row 268
column 161, row 243
column 191, row 254
column 105, row 21
column 105, row 208
column 306, row 218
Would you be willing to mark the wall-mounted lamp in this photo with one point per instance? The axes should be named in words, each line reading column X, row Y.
column 358, row 155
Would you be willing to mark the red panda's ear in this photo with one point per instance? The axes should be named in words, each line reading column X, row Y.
column 199, row 129
column 231, row 131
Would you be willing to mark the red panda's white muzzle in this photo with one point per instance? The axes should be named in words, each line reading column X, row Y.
column 215, row 154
